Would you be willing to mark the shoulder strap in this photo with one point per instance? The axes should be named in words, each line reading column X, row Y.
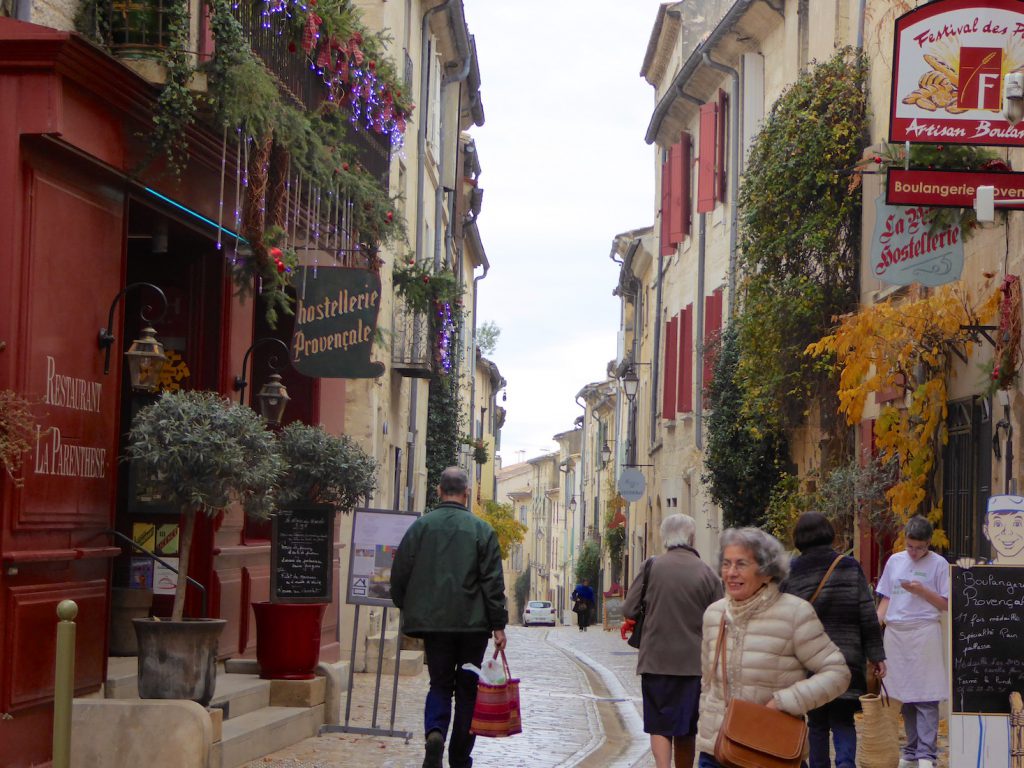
column 824, row 579
column 643, row 587
column 720, row 654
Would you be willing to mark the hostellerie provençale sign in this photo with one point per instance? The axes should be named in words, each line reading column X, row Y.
column 949, row 60
column 336, row 323
column 905, row 251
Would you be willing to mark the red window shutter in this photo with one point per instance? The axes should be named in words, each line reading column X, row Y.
column 684, row 400
column 676, row 158
column 723, row 113
column 668, row 392
column 707, row 181
column 685, row 165
column 668, row 246
column 712, row 330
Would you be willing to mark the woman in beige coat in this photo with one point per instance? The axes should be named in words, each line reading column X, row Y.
column 777, row 651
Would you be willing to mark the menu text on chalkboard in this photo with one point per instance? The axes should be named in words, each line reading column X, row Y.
column 612, row 612
column 987, row 624
column 302, row 555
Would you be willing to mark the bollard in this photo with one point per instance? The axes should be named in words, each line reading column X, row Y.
column 64, row 683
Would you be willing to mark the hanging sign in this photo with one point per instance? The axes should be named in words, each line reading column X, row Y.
column 905, row 251
column 631, row 484
column 952, row 189
column 336, row 324
column 949, row 60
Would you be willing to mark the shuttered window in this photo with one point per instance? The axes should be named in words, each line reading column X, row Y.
column 668, row 391
column 679, row 206
column 684, row 398
column 707, row 177
column 712, row 332
column 668, row 246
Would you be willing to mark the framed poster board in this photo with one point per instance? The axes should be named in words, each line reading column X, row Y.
column 302, row 555
column 376, row 534
column 613, row 612
column 987, row 644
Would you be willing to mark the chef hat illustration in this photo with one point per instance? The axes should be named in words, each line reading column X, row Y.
column 1005, row 503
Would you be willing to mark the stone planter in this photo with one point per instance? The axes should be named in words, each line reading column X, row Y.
column 125, row 606
column 178, row 659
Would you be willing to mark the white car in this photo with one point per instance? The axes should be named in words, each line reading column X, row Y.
column 539, row 612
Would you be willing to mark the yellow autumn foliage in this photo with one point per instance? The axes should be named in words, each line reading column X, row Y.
column 906, row 347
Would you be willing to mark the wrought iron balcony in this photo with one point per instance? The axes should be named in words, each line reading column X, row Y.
column 133, row 28
column 412, row 353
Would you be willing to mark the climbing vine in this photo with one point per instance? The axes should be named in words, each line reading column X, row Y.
column 17, row 431
column 905, row 349
column 800, row 238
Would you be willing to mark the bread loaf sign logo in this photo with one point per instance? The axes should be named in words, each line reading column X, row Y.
column 950, row 60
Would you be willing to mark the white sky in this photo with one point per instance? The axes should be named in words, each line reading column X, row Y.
column 564, row 169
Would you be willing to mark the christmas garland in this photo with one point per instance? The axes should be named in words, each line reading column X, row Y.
column 1006, row 363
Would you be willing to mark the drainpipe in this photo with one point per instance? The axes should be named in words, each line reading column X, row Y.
column 860, row 24
column 655, row 363
column 421, row 164
column 698, row 370
column 734, row 174
column 458, row 27
column 472, row 363
column 583, row 472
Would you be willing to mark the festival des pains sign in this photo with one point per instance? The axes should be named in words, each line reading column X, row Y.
column 950, row 57
column 335, row 324
column 905, row 251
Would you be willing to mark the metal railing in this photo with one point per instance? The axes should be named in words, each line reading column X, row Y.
column 202, row 590
column 412, row 353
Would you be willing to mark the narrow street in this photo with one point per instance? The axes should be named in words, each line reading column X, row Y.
column 580, row 707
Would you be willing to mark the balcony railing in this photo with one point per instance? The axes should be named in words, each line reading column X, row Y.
column 136, row 28
column 412, row 353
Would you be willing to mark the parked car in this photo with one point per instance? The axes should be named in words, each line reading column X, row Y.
column 539, row 612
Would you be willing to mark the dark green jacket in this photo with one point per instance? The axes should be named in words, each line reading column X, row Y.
column 447, row 574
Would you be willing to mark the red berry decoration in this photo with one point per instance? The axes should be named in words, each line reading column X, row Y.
column 426, row 278
column 291, row 46
column 877, row 159
column 280, row 267
column 344, row 166
column 390, row 215
column 276, row 253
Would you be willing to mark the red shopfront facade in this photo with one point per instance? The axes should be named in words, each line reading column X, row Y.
column 75, row 230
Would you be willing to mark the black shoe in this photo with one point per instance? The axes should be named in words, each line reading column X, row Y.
column 434, row 750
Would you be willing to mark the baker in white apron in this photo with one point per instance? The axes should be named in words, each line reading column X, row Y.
column 915, row 591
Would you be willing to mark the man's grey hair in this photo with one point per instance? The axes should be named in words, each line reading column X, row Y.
column 677, row 530
column 918, row 529
column 772, row 558
column 454, row 481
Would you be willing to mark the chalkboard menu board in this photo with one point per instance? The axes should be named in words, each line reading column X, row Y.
column 612, row 612
column 987, row 623
column 302, row 555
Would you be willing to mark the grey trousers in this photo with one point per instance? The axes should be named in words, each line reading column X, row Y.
column 921, row 719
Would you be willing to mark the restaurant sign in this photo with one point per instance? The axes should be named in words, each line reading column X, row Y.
column 336, row 324
column 949, row 61
column 904, row 250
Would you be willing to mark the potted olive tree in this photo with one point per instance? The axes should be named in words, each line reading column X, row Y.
column 201, row 453
column 322, row 474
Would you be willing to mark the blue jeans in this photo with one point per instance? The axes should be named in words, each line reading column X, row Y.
column 446, row 653
column 837, row 717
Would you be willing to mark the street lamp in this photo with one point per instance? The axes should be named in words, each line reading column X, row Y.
column 145, row 356
column 572, row 504
column 606, row 453
column 273, row 396
column 630, row 382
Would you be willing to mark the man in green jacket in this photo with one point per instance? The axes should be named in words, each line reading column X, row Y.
column 447, row 580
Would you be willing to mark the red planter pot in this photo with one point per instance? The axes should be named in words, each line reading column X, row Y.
column 288, row 639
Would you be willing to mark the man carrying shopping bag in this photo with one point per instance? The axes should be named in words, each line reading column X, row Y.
column 447, row 580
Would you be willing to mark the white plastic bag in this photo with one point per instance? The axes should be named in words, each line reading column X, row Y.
column 492, row 672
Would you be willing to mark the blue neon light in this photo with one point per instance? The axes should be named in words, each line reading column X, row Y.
column 196, row 215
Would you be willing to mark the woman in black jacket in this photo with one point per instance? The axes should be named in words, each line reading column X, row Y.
column 847, row 610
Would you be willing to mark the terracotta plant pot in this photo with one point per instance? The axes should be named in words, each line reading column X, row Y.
column 288, row 639
column 178, row 659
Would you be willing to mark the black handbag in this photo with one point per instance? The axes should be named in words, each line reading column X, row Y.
column 638, row 627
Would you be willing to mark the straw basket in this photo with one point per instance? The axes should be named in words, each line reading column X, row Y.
column 878, row 738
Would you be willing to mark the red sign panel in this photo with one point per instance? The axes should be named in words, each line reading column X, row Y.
column 950, row 57
column 951, row 189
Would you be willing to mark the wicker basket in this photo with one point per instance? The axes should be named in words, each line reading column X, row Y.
column 878, row 737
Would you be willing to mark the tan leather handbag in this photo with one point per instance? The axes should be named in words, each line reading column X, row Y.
column 752, row 735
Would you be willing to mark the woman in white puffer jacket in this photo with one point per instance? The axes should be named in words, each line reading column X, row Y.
column 777, row 651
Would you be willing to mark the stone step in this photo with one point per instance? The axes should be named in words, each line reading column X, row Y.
column 410, row 665
column 122, row 678
column 373, row 646
column 239, row 694
column 260, row 733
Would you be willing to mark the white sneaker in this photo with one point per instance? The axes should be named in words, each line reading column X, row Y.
column 912, row 764
column 924, row 764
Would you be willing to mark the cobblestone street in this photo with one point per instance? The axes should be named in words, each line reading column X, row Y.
column 580, row 705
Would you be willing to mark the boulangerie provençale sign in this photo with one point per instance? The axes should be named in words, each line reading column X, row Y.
column 336, row 323
column 949, row 61
column 905, row 251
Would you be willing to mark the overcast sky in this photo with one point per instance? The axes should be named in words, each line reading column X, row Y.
column 564, row 169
